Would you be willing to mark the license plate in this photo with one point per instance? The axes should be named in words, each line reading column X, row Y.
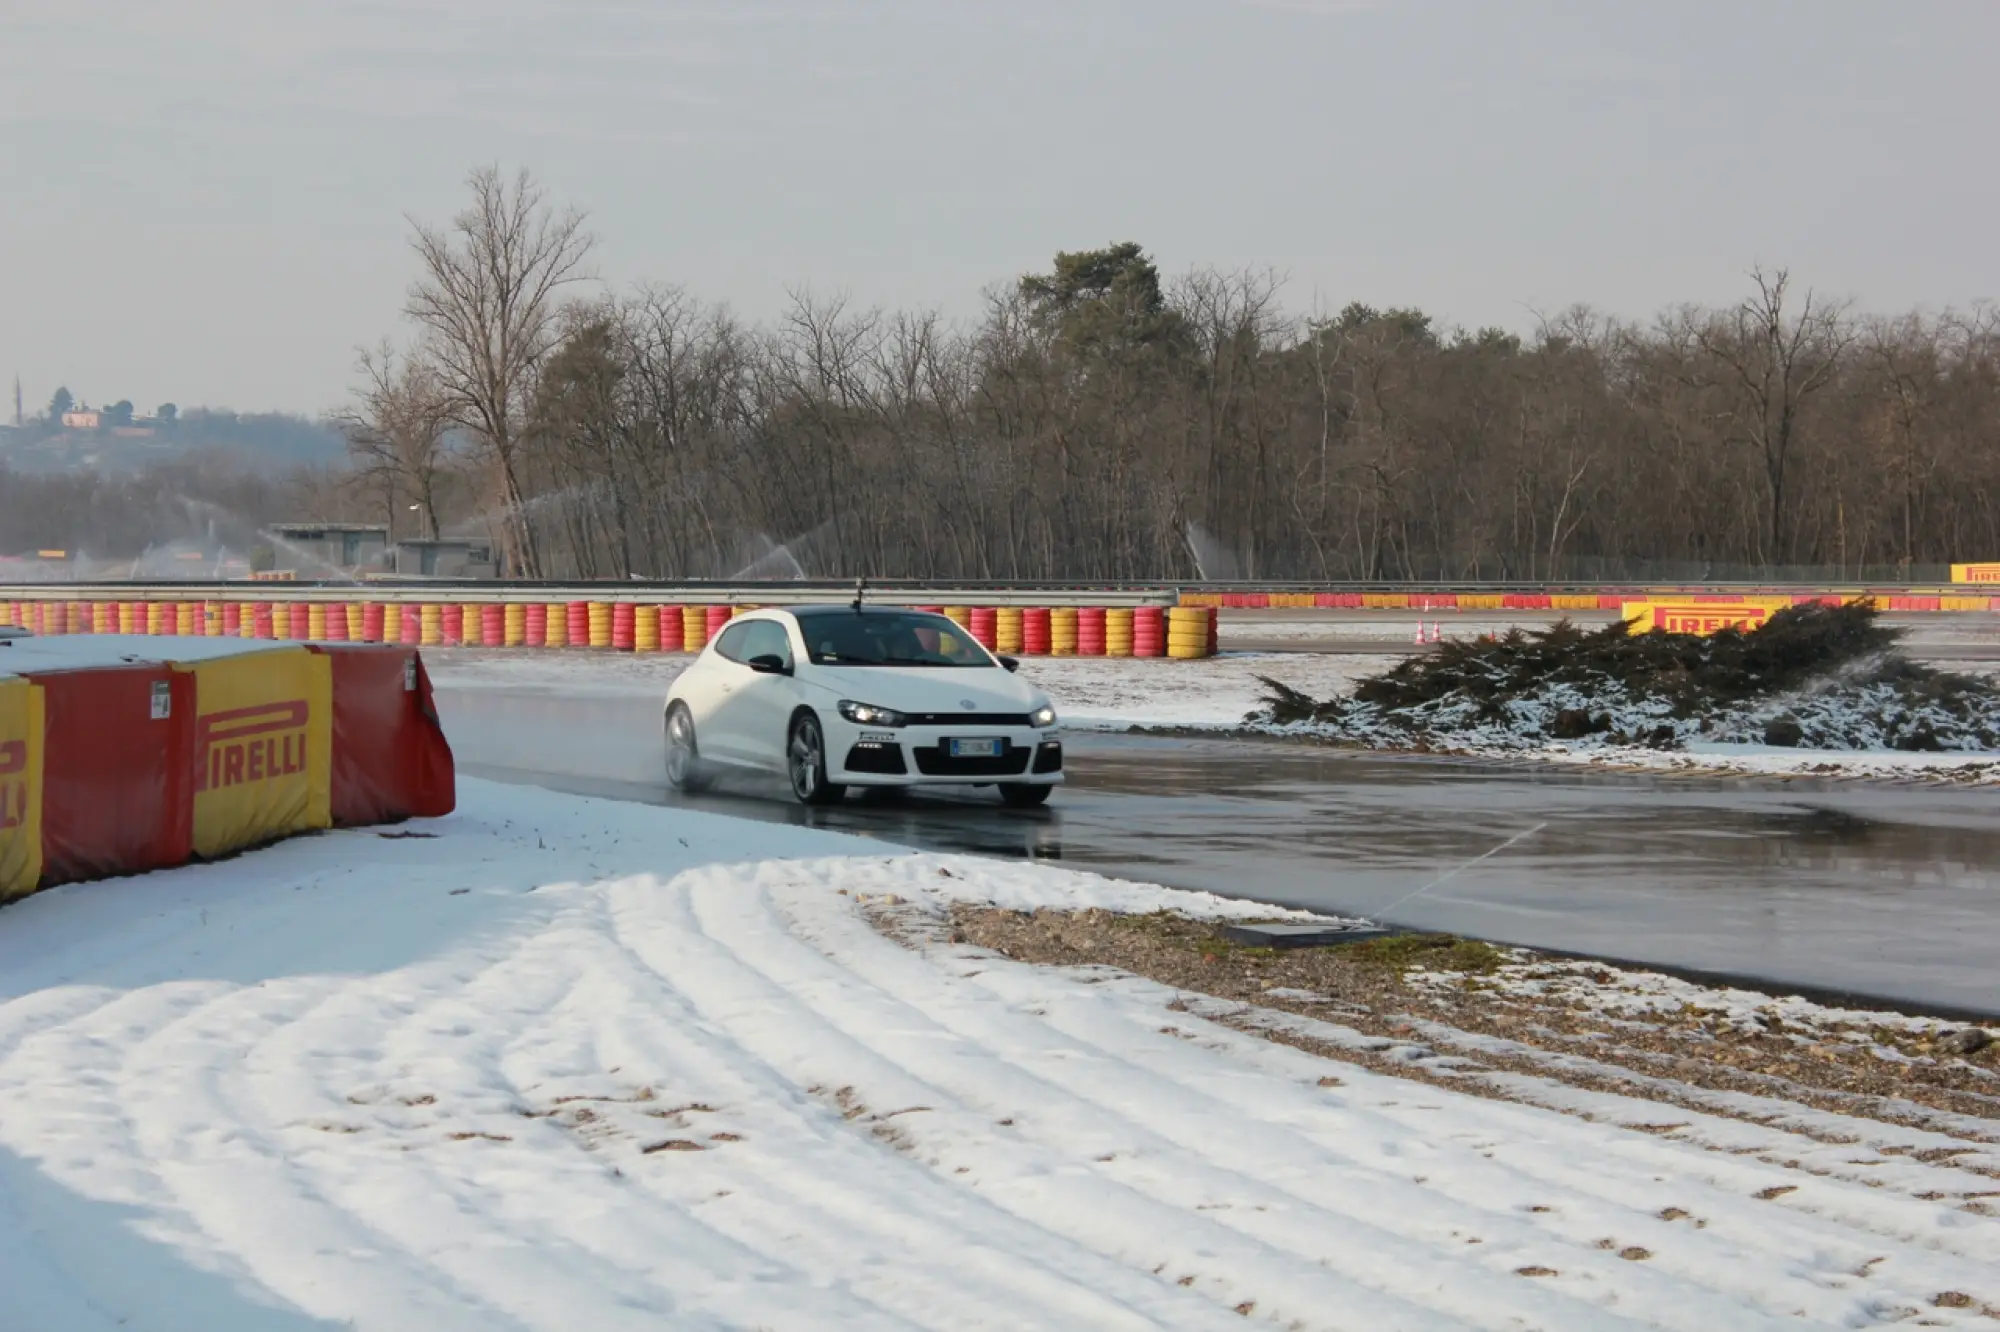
column 975, row 748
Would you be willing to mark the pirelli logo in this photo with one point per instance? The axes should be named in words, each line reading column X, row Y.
column 1707, row 619
column 1699, row 619
column 247, row 745
column 1975, row 573
column 13, row 784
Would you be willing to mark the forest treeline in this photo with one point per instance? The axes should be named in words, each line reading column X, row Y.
column 1103, row 420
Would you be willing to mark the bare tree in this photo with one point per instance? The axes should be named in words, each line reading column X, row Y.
column 1776, row 360
column 399, row 430
column 488, row 303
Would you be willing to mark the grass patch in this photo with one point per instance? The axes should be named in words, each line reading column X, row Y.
column 1402, row 953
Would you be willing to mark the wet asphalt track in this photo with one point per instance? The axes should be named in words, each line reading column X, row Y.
column 1834, row 888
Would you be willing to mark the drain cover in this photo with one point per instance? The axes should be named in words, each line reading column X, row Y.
column 1302, row 936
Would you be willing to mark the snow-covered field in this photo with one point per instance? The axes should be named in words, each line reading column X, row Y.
column 554, row 1063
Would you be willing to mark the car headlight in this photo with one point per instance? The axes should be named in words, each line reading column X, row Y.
column 867, row 714
column 1043, row 717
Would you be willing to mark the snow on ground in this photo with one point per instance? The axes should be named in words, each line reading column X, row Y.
column 557, row 1063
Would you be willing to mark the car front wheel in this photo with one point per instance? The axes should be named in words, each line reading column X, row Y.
column 683, row 754
column 805, row 761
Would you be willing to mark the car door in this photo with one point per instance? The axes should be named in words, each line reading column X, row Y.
column 720, row 732
column 762, row 710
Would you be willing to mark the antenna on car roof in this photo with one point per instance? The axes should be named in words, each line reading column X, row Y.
column 860, row 590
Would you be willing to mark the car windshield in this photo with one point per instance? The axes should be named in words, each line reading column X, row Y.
column 876, row 639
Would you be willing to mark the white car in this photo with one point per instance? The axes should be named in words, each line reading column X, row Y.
column 840, row 696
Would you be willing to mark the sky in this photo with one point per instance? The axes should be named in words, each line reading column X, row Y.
column 208, row 201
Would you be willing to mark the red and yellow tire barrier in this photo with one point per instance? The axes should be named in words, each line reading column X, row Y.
column 1062, row 631
column 1090, row 630
column 1149, row 632
column 1037, row 633
column 1188, row 632
column 1007, row 630
column 625, row 625
column 149, row 763
column 1118, row 632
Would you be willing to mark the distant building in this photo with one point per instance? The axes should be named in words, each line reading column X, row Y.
column 82, row 420
column 446, row 559
column 314, row 549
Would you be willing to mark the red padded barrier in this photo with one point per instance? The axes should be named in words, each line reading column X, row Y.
column 716, row 617
column 624, row 625
column 117, row 777
column 390, row 758
column 492, row 625
column 452, row 623
column 535, row 624
column 985, row 626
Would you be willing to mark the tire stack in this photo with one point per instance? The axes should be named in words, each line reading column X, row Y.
column 985, row 626
column 1007, row 630
column 1118, row 632
column 1062, row 631
column 1037, row 633
column 1188, row 632
column 694, row 628
column 1090, row 631
column 1149, row 632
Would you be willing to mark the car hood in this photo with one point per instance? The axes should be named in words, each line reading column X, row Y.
column 931, row 688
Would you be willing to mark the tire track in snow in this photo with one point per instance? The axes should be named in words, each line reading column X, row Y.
column 1174, row 1117
column 882, row 1195
column 1062, row 1188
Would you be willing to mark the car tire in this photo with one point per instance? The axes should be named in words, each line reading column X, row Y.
column 683, row 753
column 805, row 763
column 1024, row 795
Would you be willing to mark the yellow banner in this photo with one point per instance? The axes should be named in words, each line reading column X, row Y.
column 1692, row 617
column 263, row 748
column 20, row 788
column 1975, row 573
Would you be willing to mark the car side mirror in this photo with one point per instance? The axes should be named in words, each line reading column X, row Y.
column 769, row 663
column 1011, row 663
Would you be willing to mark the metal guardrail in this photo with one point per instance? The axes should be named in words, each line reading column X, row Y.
column 402, row 591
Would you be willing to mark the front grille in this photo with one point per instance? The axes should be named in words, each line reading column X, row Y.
column 936, row 761
column 968, row 719
column 1049, row 757
column 882, row 760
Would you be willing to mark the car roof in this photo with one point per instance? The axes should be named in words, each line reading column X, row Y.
column 812, row 612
